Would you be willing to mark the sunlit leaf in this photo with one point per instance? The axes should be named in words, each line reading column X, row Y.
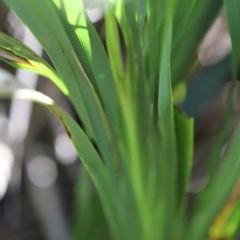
column 19, row 55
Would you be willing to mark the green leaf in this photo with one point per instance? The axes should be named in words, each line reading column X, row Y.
column 227, row 223
column 19, row 55
column 88, row 213
column 168, row 148
column 91, row 53
column 10, row 87
column 232, row 11
column 190, row 15
column 184, row 136
column 48, row 29
column 223, row 176
column 113, row 45
column 212, row 199
column 93, row 163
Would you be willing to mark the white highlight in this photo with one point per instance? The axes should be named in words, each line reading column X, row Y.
column 95, row 14
column 34, row 96
column 64, row 149
column 42, row 171
column 216, row 44
column 6, row 164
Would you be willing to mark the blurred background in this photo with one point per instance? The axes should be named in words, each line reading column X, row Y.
column 39, row 168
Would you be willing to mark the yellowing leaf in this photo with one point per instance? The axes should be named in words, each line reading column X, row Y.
column 228, row 220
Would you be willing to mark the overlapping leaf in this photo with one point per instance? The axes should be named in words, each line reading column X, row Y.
column 126, row 105
column 50, row 32
column 19, row 55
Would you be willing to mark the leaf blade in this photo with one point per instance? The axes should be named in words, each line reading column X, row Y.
column 19, row 55
column 48, row 29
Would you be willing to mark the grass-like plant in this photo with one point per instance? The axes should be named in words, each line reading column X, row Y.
column 135, row 144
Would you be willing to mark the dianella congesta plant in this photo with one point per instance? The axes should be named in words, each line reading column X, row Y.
column 136, row 146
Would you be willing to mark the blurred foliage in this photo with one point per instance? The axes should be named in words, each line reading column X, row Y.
column 136, row 146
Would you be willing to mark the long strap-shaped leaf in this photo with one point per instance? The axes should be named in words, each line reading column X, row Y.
column 19, row 55
column 226, row 175
column 43, row 21
column 107, row 189
column 168, row 158
column 232, row 11
column 217, row 192
column 190, row 15
column 91, row 52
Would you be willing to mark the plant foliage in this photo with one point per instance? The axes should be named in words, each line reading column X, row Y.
column 135, row 144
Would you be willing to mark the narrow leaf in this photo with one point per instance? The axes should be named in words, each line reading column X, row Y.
column 212, row 199
column 91, row 53
column 19, row 55
column 184, row 135
column 232, row 11
column 43, row 20
column 167, row 204
column 193, row 15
